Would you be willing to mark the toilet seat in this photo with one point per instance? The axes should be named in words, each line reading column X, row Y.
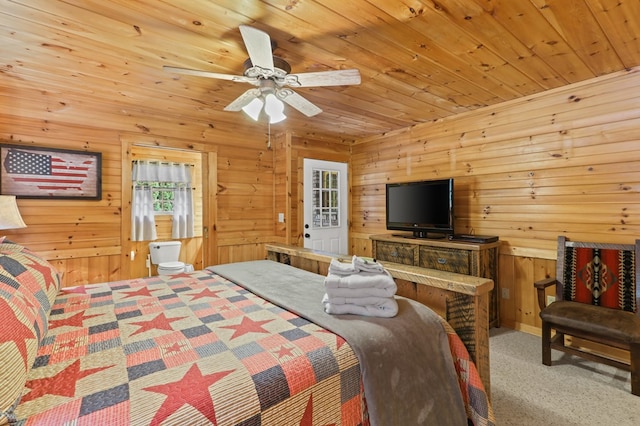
column 169, row 268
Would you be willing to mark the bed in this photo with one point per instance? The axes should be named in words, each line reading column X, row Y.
column 236, row 344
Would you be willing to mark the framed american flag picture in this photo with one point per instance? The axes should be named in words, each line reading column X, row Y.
column 33, row 172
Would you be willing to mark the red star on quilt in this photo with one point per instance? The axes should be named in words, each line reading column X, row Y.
column 72, row 321
column 224, row 307
column 45, row 271
column 61, row 384
column 30, row 306
column 461, row 368
column 307, row 417
column 207, row 292
column 16, row 331
column 173, row 348
column 194, row 384
column 247, row 326
column 283, row 351
column 161, row 322
column 68, row 344
column 181, row 275
column 142, row 291
column 339, row 340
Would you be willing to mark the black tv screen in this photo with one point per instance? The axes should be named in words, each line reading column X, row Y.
column 421, row 207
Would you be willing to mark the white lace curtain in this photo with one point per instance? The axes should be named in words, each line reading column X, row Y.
column 143, row 224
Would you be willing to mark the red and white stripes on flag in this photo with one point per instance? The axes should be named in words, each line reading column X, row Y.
column 46, row 172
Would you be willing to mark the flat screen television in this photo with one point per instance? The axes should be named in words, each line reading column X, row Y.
column 424, row 208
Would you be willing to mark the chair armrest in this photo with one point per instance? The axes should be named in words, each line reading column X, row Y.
column 540, row 286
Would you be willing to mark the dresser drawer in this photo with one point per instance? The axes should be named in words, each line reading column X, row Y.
column 396, row 253
column 445, row 259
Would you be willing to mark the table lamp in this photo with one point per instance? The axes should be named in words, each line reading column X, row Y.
column 9, row 214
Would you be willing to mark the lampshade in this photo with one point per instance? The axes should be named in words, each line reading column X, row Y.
column 253, row 108
column 274, row 109
column 9, row 215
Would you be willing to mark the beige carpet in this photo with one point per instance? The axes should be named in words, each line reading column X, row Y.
column 572, row 392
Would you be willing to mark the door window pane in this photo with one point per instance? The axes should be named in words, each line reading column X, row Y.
column 325, row 193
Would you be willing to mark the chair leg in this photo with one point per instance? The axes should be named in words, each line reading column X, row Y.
column 546, row 343
column 635, row 368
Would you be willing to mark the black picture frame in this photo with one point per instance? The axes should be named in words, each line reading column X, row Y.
column 50, row 173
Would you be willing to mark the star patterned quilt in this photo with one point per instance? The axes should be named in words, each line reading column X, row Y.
column 189, row 349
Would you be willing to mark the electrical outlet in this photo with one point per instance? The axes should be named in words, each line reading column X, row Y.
column 133, row 255
column 505, row 293
column 281, row 217
column 550, row 300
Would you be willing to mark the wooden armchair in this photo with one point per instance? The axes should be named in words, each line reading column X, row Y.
column 597, row 297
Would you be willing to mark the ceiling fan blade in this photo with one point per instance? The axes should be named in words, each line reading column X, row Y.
column 324, row 78
column 243, row 100
column 258, row 44
column 230, row 77
column 298, row 102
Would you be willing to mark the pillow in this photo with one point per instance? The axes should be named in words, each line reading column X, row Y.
column 32, row 272
column 28, row 287
column 18, row 348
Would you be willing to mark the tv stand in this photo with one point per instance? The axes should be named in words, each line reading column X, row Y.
column 462, row 257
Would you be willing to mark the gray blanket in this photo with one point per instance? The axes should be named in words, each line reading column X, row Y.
column 407, row 367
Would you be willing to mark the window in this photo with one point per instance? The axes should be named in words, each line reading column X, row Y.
column 325, row 192
column 163, row 194
column 161, row 188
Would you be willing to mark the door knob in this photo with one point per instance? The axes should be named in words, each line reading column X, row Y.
column 307, row 236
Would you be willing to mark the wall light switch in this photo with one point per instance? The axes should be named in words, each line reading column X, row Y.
column 133, row 254
column 281, row 217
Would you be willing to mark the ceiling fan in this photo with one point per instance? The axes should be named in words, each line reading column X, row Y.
column 271, row 76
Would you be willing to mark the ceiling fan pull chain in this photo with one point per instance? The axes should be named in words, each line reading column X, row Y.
column 269, row 135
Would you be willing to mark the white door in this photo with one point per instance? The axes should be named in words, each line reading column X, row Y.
column 325, row 206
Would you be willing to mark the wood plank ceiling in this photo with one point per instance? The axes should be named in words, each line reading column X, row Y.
column 419, row 60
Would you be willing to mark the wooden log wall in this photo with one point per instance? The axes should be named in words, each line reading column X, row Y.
column 291, row 150
column 81, row 238
column 564, row 162
column 244, row 199
column 88, row 241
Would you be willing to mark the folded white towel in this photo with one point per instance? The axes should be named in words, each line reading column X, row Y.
column 362, row 301
column 360, row 280
column 367, row 265
column 360, row 292
column 341, row 268
column 385, row 308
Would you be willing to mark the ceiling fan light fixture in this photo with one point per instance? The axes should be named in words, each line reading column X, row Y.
column 253, row 108
column 274, row 109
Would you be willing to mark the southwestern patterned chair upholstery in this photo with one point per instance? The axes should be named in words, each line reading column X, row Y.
column 597, row 297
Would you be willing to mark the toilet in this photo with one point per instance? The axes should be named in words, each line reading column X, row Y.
column 165, row 254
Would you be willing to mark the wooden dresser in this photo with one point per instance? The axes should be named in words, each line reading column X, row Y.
column 480, row 260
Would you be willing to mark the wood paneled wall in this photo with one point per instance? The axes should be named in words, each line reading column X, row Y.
column 291, row 150
column 88, row 241
column 81, row 238
column 244, row 197
column 562, row 163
